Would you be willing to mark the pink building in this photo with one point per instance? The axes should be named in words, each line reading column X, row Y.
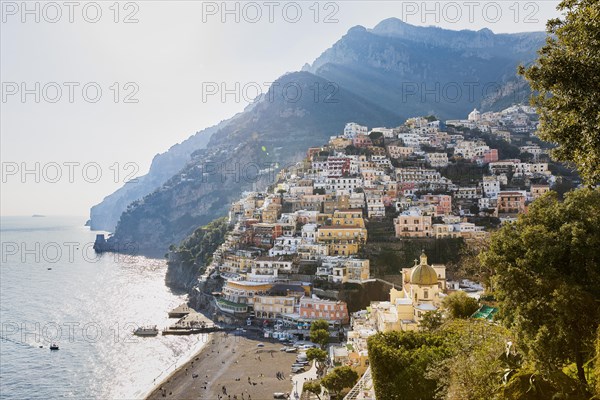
column 443, row 203
column 331, row 311
column 361, row 141
column 490, row 155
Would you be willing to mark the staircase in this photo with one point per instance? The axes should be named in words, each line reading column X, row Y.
column 363, row 390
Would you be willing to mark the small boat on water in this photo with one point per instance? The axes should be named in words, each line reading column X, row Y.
column 53, row 346
column 146, row 331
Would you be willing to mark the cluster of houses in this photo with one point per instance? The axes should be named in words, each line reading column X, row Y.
column 312, row 222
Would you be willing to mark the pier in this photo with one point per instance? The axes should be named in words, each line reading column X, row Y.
column 180, row 311
column 192, row 322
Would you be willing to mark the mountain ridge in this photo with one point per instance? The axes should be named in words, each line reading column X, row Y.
column 375, row 77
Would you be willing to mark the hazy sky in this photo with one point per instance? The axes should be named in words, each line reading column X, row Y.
column 79, row 145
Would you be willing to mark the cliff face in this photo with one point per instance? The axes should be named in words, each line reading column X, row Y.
column 179, row 274
column 376, row 77
column 300, row 110
column 426, row 70
column 105, row 215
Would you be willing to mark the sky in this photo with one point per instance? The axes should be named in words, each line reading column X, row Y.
column 92, row 91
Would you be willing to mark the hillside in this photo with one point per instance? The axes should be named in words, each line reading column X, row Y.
column 105, row 215
column 427, row 70
column 275, row 132
column 375, row 77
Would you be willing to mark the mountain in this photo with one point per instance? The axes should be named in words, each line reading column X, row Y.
column 413, row 70
column 375, row 77
column 105, row 215
column 243, row 155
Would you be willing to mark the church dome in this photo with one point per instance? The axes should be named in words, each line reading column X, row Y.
column 423, row 274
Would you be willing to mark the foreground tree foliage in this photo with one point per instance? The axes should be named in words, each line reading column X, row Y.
column 527, row 384
column 567, row 82
column 462, row 360
column 319, row 333
column 320, row 357
column 313, row 387
column 481, row 360
column 431, row 321
column 339, row 379
column 548, row 280
column 469, row 266
column 459, row 305
column 399, row 362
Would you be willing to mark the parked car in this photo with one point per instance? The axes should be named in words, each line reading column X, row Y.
column 297, row 369
column 281, row 395
column 260, row 345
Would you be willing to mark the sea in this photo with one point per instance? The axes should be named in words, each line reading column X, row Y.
column 55, row 289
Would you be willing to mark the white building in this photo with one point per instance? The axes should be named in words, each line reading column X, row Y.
column 474, row 116
column 352, row 129
column 437, row 160
column 491, row 186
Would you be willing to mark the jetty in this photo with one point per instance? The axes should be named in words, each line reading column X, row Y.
column 180, row 311
column 191, row 323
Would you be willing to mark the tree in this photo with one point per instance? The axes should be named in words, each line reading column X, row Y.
column 459, row 305
column 470, row 267
column 597, row 365
column 339, row 379
column 313, row 387
column 319, row 332
column 377, row 139
column 431, row 321
column 548, row 279
column 479, row 358
column 567, row 82
column 320, row 357
column 399, row 362
column 526, row 157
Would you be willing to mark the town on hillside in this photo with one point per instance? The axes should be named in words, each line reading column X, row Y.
column 294, row 245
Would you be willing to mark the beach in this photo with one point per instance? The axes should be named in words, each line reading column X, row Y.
column 228, row 367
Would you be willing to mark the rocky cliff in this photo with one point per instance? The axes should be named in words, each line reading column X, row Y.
column 415, row 70
column 300, row 110
column 375, row 77
column 105, row 215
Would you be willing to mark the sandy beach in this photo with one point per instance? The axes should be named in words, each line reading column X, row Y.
column 230, row 367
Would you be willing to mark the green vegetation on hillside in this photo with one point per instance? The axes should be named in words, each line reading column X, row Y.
column 547, row 279
column 545, row 274
column 196, row 249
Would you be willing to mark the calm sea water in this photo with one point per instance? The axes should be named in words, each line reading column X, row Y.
column 87, row 304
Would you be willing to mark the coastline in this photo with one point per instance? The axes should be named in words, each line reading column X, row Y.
column 203, row 339
column 234, row 362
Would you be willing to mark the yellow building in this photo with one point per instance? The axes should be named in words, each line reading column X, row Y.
column 342, row 240
column 413, row 224
column 244, row 291
column 352, row 270
column 271, row 213
column 348, row 218
column 236, row 262
column 539, row 190
column 420, row 294
column 272, row 307
column 340, row 142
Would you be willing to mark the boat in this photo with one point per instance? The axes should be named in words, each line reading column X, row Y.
column 53, row 346
column 146, row 331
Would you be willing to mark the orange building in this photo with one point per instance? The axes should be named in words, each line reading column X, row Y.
column 331, row 311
